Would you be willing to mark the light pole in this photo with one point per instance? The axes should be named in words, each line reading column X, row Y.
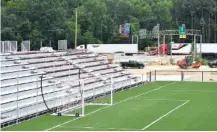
column 137, row 39
column 76, row 24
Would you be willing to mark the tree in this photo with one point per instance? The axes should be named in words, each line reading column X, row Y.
column 99, row 20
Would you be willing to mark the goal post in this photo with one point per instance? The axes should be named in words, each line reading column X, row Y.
column 72, row 102
column 89, row 95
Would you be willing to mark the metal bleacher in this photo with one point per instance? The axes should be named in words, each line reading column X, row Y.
column 21, row 75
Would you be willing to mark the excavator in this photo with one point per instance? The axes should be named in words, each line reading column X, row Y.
column 188, row 62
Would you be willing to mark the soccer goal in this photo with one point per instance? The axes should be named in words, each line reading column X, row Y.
column 85, row 96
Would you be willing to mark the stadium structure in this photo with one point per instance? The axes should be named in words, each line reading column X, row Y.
column 34, row 83
column 87, row 87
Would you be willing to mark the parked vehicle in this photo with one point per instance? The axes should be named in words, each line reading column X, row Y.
column 212, row 63
column 132, row 64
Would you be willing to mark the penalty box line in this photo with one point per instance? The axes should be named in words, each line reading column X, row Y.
column 164, row 115
column 110, row 106
column 126, row 129
column 181, row 90
column 175, row 100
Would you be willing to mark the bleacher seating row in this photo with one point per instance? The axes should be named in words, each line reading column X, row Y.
column 21, row 75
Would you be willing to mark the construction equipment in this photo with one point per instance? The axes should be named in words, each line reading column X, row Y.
column 188, row 62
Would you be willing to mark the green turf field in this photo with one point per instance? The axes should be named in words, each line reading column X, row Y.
column 156, row 106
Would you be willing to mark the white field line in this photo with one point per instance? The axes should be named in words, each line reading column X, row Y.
column 111, row 105
column 164, row 115
column 128, row 129
column 180, row 90
column 165, row 99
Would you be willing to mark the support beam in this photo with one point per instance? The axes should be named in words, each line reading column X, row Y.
column 158, row 44
column 201, row 46
column 195, row 47
column 171, row 38
column 164, row 42
column 164, row 39
column 41, row 44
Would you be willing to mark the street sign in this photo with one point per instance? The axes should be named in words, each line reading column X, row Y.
column 182, row 30
column 182, row 36
column 127, row 28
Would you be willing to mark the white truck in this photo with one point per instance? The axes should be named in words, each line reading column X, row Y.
column 185, row 48
column 111, row 48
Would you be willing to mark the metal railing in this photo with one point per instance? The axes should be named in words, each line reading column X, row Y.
column 194, row 76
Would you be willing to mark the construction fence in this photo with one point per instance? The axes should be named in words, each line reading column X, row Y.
column 12, row 46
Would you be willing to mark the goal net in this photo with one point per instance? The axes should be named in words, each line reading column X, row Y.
column 85, row 96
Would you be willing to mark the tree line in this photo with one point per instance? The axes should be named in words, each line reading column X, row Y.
column 99, row 20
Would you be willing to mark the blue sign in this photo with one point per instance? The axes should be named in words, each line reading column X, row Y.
column 127, row 28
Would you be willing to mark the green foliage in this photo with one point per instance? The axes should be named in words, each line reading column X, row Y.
column 99, row 20
column 88, row 37
column 204, row 62
column 197, row 58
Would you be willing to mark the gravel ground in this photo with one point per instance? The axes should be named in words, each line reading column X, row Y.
column 197, row 75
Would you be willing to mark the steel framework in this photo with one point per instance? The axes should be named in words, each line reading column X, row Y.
column 189, row 32
column 156, row 33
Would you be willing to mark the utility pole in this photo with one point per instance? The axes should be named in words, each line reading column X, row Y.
column 192, row 24
column 209, row 29
column 101, row 33
column 215, row 35
column 158, row 37
column 76, row 23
